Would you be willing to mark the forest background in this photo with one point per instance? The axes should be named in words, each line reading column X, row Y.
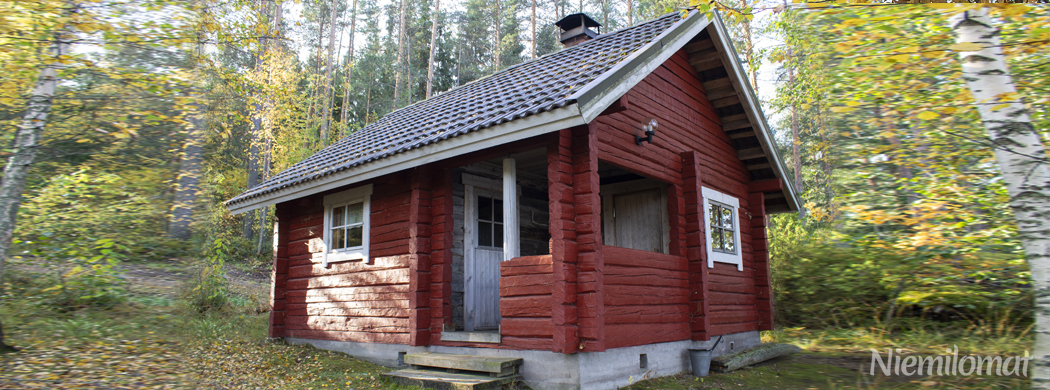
column 163, row 109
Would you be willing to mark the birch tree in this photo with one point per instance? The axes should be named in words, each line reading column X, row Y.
column 1021, row 158
column 27, row 139
column 532, row 51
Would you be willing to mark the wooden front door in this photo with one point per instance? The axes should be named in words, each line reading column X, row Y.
column 483, row 221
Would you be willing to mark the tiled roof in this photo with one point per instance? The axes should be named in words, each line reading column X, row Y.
column 540, row 85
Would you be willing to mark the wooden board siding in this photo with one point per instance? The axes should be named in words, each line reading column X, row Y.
column 564, row 253
column 441, row 257
column 586, row 186
column 646, row 297
column 383, row 300
column 689, row 151
column 525, row 302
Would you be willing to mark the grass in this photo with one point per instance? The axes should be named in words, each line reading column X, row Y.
column 841, row 359
column 154, row 341
column 809, row 370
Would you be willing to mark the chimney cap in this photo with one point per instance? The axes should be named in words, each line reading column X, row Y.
column 570, row 22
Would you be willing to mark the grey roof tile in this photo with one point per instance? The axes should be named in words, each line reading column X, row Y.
column 525, row 89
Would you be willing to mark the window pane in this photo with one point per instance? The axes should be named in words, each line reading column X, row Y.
column 484, row 208
column 497, row 235
column 497, row 205
column 337, row 238
column 353, row 237
column 713, row 216
column 337, row 215
column 354, row 213
column 716, row 238
column 727, row 218
column 484, row 233
column 727, row 239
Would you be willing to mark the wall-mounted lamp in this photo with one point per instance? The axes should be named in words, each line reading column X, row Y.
column 650, row 130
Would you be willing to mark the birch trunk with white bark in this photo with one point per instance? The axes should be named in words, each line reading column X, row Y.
column 27, row 138
column 1022, row 159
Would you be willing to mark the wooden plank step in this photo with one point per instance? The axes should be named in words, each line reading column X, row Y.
column 449, row 381
column 501, row 366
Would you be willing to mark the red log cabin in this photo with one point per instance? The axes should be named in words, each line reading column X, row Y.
column 594, row 212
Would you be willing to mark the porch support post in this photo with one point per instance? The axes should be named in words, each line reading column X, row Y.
column 419, row 231
column 695, row 253
column 511, row 248
column 587, row 204
column 279, row 275
column 756, row 204
column 564, row 313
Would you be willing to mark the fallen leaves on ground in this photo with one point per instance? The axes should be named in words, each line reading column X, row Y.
column 108, row 363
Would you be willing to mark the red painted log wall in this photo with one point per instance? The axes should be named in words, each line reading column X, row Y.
column 689, row 151
column 585, row 296
column 525, row 302
column 646, row 297
column 361, row 301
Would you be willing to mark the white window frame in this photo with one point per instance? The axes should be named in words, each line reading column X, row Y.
column 711, row 195
column 361, row 194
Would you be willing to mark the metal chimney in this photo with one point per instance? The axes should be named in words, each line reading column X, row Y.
column 576, row 28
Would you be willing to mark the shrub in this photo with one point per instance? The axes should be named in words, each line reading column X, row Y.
column 823, row 279
column 209, row 290
column 86, row 205
column 86, row 273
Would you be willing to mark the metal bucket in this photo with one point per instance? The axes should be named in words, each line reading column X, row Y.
column 700, row 359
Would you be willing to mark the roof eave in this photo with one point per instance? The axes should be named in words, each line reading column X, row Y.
column 753, row 107
column 603, row 91
column 527, row 127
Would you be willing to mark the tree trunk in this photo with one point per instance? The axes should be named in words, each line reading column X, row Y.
column 402, row 38
column 186, row 191
column 349, row 65
column 326, row 104
column 1022, row 159
column 749, row 49
column 533, row 50
column 499, row 36
column 267, row 152
column 796, row 138
column 433, row 47
column 630, row 13
column 27, row 137
column 254, row 137
column 313, row 79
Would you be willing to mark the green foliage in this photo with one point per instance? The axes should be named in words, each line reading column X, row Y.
column 88, row 205
column 209, row 290
column 85, row 273
column 823, row 279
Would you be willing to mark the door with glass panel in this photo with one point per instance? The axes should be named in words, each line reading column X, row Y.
column 483, row 220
